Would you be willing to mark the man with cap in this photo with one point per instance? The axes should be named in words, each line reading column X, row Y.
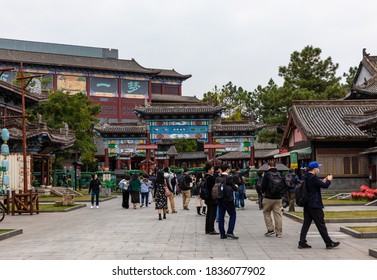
column 313, row 210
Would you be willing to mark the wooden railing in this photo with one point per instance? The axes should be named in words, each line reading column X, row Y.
column 25, row 202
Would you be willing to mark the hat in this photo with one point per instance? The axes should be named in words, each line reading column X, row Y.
column 313, row 165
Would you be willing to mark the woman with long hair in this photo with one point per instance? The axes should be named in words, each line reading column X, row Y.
column 159, row 195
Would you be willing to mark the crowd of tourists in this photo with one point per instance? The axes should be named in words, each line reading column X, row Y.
column 217, row 191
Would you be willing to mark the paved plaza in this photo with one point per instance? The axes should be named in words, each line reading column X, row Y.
column 112, row 232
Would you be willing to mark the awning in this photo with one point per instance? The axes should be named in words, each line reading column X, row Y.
column 372, row 150
column 304, row 151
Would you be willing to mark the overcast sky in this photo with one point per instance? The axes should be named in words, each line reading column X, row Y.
column 216, row 41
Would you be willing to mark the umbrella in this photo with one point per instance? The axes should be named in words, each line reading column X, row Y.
column 279, row 167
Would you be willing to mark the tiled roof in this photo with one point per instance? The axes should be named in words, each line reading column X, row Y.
column 324, row 119
column 191, row 156
column 65, row 138
column 62, row 60
column 362, row 121
column 170, row 73
column 121, row 128
column 174, row 98
column 178, row 108
column 236, row 127
column 17, row 90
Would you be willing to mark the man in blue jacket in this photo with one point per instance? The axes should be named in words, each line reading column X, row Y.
column 313, row 210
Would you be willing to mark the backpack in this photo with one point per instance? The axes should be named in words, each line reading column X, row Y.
column 236, row 179
column 123, row 185
column 288, row 179
column 276, row 184
column 182, row 183
column 301, row 193
column 218, row 190
column 203, row 191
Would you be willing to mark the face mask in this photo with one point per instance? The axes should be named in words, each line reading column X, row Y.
column 317, row 172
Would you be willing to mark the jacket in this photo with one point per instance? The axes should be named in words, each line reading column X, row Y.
column 210, row 183
column 313, row 186
column 94, row 185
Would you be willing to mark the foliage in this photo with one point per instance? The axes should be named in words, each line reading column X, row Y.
column 238, row 103
column 186, row 145
column 269, row 136
column 78, row 112
column 350, row 76
column 42, row 81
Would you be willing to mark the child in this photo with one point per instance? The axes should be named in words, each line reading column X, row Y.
column 144, row 189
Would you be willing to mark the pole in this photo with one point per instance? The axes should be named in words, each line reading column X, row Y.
column 24, row 130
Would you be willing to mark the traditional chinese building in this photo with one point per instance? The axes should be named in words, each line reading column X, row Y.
column 41, row 140
column 317, row 130
column 118, row 85
column 365, row 82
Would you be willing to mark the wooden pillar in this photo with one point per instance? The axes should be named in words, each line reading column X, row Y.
column 55, row 81
column 211, row 151
column 43, row 171
column 252, row 155
column 88, row 85
column 118, row 164
column 180, row 90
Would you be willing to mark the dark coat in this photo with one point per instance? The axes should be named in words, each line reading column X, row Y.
column 313, row 186
column 210, row 183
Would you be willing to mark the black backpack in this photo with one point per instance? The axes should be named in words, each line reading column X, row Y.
column 237, row 179
column 182, row 183
column 218, row 190
column 288, row 179
column 276, row 184
column 301, row 193
column 203, row 190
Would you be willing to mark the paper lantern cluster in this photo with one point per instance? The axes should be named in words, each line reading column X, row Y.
column 5, row 153
column 365, row 193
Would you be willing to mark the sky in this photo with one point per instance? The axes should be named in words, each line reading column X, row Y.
column 216, row 41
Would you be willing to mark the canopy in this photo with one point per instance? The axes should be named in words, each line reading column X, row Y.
column 305, row 151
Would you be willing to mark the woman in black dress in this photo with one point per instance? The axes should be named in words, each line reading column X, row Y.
column 159, row 195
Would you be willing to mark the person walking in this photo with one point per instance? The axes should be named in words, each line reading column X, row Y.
column 273, row 189
column 135, row 190
column 239, row 180
column 226, row 203
column 313, row 210
column 210, row 202
column 160, row 199
column 290, row 180
column 169, row 178
column 94, row 188
column 199, row 202
column 124, row 185
column 144, row 190
column 184, row 184
column 258, row 187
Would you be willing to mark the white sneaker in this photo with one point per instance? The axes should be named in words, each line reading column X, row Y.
column 97, row 206
column 91, row 207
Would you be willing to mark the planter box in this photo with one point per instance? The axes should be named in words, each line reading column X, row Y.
column 341, row 220
column 373, row 252
column 358, row 234
column 10, row 234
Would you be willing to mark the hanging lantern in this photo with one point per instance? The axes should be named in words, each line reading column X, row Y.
column 5, row 134
column 5, row 164
column 5, row 150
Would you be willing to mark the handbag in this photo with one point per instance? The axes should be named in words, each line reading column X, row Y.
column 167, row 192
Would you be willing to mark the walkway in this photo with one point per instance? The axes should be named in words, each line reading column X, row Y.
column 112, row 232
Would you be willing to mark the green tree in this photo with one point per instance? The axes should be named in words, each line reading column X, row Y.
column 79, row 113
column 186, row 145
column 238, row 103
column 350, row 76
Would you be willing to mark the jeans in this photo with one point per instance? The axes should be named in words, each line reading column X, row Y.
column 226, row 207
column 146, row 197
column 96, row 194
column 240, row 197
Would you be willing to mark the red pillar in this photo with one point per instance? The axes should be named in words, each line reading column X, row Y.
column 55, row 81
column 107, row 161
column 88, row 85
column 119, row 99
column 211, row 151
column 118, row 164
column 252, row 155
column 149, row 91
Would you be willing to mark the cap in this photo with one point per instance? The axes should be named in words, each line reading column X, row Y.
column 313, row 165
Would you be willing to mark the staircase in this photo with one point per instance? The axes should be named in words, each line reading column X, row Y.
column 61, row 191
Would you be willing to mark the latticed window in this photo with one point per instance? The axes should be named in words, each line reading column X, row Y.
column 171, row 89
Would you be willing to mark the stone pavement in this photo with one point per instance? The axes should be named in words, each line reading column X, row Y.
column 114, row 233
